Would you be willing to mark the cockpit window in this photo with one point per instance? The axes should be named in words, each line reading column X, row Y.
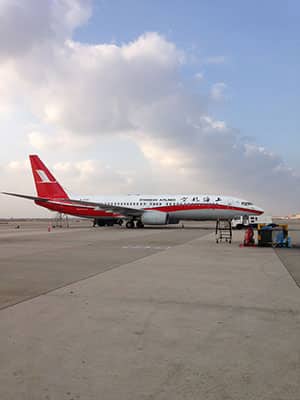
column 246, row 203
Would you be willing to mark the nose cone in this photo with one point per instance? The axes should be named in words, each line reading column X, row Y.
column 258, row 210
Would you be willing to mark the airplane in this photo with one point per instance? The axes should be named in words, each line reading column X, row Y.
column 137, row 210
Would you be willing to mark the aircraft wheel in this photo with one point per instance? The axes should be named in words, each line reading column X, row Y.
column 130, row 225
column 139, row 224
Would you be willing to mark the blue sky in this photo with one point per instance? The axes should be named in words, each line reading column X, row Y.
column 260, row 41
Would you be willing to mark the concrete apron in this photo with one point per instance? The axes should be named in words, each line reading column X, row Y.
column 197, row 321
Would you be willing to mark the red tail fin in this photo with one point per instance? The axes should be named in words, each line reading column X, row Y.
column 45, row 183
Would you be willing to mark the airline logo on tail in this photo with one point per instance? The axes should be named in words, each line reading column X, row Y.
column 43, row 176
column 45, row 183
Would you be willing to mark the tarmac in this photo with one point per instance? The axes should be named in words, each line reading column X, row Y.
column 152, row 314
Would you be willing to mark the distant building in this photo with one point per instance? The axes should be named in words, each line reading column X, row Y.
column 294, row 216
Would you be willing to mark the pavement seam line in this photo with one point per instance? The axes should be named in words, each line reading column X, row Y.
column 286, row 269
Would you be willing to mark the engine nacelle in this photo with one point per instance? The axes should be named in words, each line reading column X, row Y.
column 154, row 218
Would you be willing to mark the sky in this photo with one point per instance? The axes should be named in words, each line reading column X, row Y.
column 135, row 96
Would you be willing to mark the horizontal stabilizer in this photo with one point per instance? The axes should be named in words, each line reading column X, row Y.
column 24, row 196
column 61, row 202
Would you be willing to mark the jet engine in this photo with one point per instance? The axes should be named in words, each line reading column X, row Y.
column 154, row 218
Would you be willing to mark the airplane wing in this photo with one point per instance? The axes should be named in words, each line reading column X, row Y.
column 126, row 211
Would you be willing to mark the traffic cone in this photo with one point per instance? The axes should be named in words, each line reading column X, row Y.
column 49, row 228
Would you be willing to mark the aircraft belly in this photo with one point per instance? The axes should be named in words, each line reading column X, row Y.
column 205, row 214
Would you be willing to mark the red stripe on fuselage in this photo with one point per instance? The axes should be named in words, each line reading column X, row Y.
column 91, row 212
column 206, row 206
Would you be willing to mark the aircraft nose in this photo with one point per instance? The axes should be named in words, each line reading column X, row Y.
column 259, row 210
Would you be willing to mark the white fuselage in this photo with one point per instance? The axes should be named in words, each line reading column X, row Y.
column 184, row 207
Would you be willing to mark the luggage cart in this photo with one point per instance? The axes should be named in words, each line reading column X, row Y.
column 273, row 235
column 223, row 231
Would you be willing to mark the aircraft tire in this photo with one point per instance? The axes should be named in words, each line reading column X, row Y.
column 130, row 225
column 139, row 225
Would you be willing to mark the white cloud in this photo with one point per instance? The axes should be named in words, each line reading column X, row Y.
column 84, row 93
column 199, row 76
column 18, row 166
column 217, row 91
column 53, row 142
column 26, row 26
column 210, row 123
column 81, row 177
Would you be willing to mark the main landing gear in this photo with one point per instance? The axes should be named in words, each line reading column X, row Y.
column 134, row 224
column 130, row 224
